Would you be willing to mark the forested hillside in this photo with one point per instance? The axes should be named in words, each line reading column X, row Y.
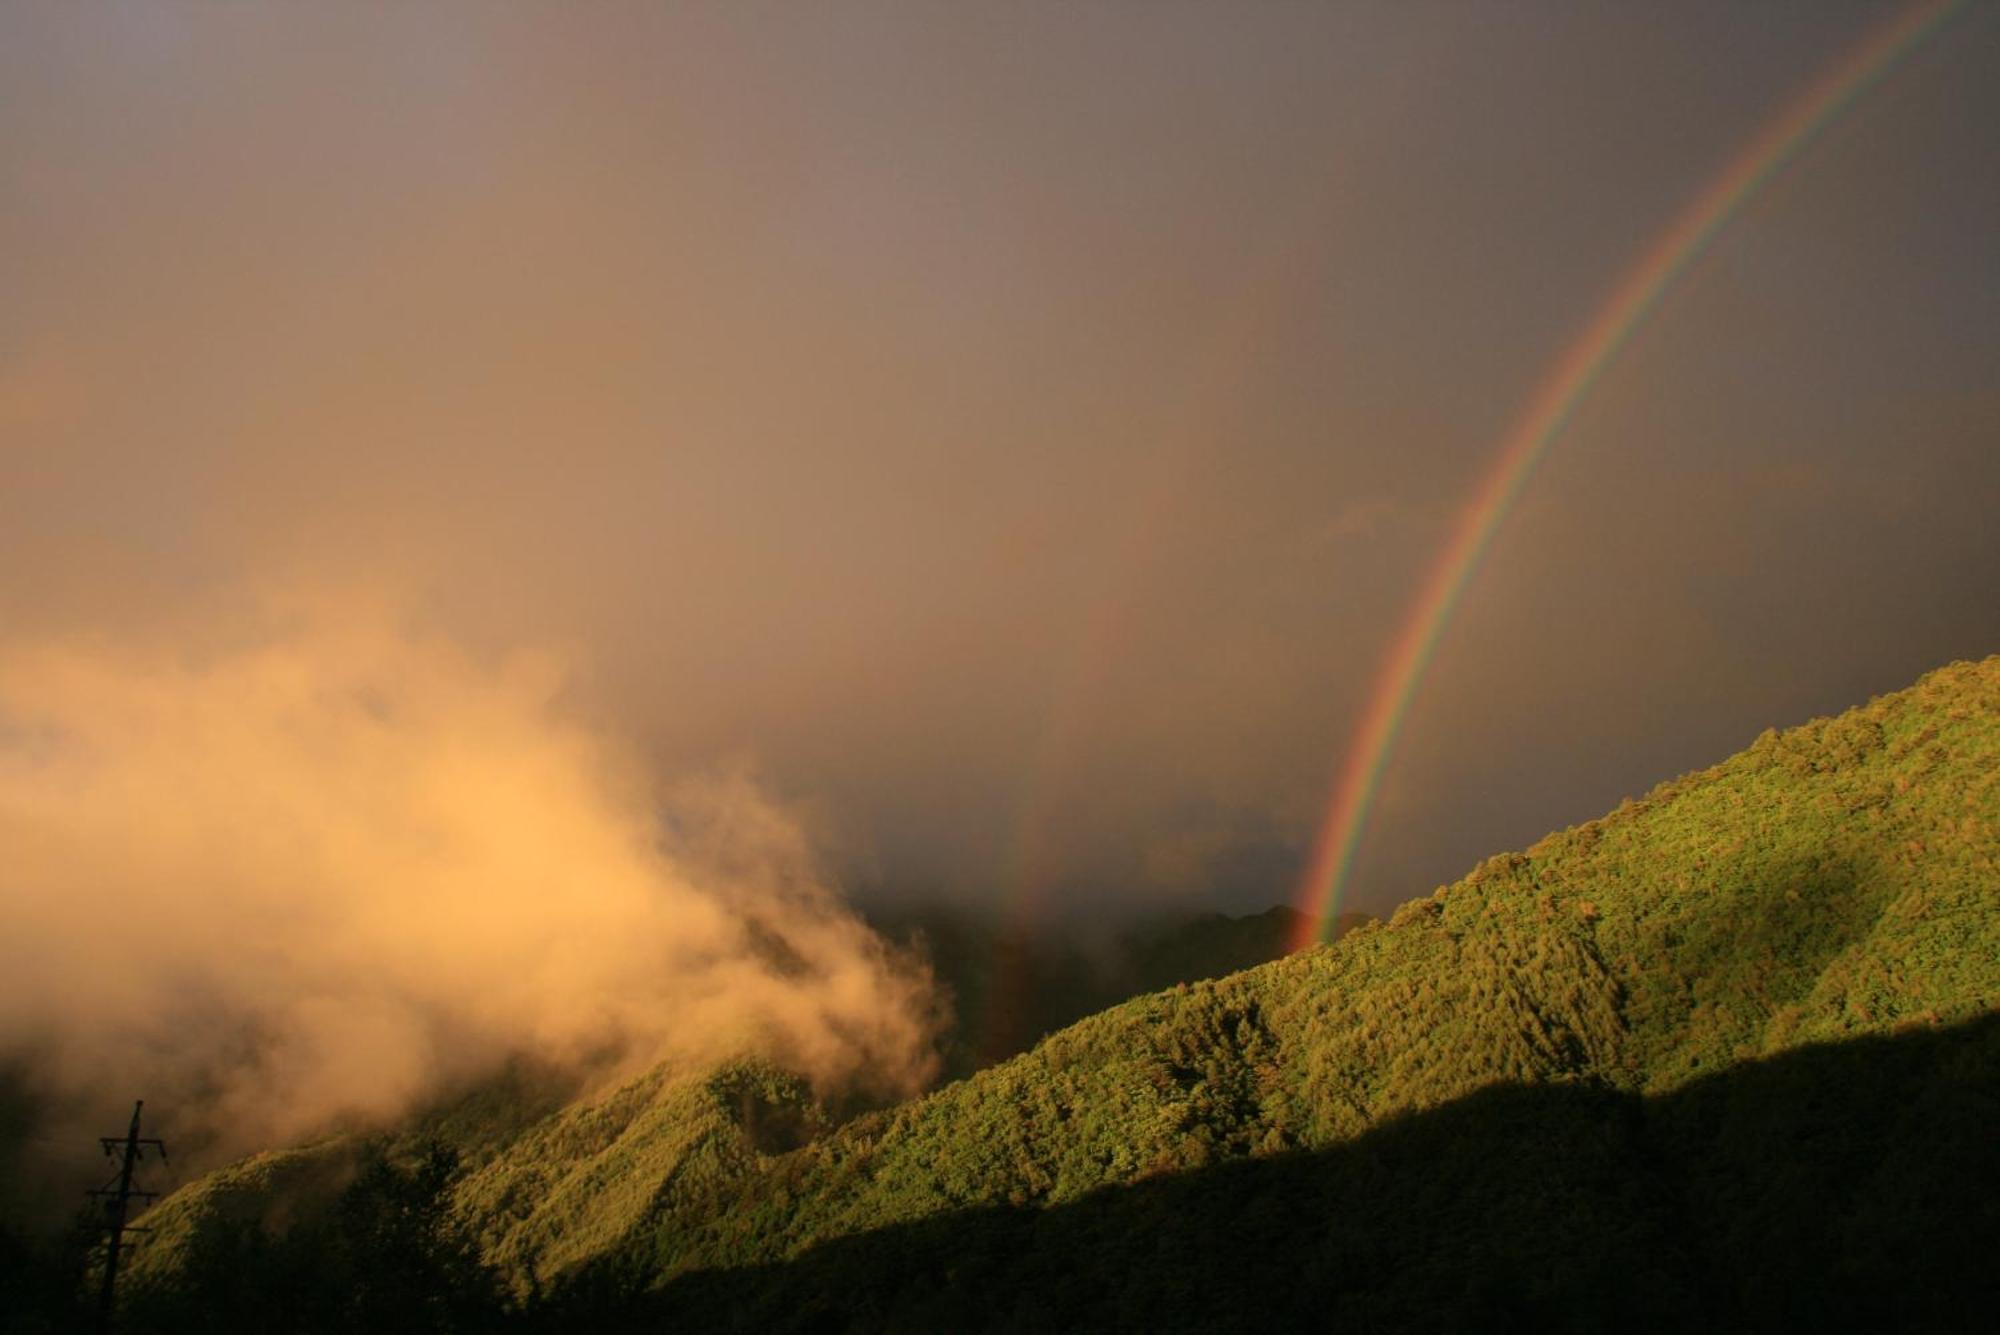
column 1833, row 880
column 1724, row 1056
column 1009, row 989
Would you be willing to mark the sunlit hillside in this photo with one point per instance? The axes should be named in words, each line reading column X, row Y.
column 1754, row 1004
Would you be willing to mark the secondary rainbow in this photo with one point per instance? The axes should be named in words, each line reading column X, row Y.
column 1547, row 411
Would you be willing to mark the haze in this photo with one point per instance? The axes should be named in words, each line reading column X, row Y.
column 1010, row 434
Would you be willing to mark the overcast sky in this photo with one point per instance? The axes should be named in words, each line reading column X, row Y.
column 1016, row 431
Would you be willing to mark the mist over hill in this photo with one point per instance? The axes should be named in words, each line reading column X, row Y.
column 1723, row 1057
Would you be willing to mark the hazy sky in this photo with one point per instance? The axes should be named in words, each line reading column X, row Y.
column 1015, row 431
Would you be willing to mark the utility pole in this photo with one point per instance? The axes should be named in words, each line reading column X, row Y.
column 117, row 1200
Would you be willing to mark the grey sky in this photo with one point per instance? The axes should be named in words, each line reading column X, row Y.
column 988, row 417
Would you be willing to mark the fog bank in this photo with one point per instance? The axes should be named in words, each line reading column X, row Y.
column 309, row 864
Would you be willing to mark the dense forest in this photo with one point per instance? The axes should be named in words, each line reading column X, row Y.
column 1723, row 1058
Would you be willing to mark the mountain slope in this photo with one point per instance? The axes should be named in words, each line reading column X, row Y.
column 1834, row 882
column 1832, row 1187
column 1008, row 989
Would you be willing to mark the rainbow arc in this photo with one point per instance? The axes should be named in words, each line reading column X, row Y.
column 1549, row 409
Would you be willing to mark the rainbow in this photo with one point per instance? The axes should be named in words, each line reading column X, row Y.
column 1188, row 422
column 1554, row 402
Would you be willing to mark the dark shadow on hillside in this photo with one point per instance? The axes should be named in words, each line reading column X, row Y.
column 1848, row 1186
column 1784, row 923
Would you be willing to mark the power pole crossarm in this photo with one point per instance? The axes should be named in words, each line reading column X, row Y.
column 129, row 1149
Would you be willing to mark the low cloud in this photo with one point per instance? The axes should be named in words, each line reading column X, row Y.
column 318, row 865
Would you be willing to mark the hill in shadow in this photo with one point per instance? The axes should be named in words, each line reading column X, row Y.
column 1839, row 1186
column 1010, row 988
